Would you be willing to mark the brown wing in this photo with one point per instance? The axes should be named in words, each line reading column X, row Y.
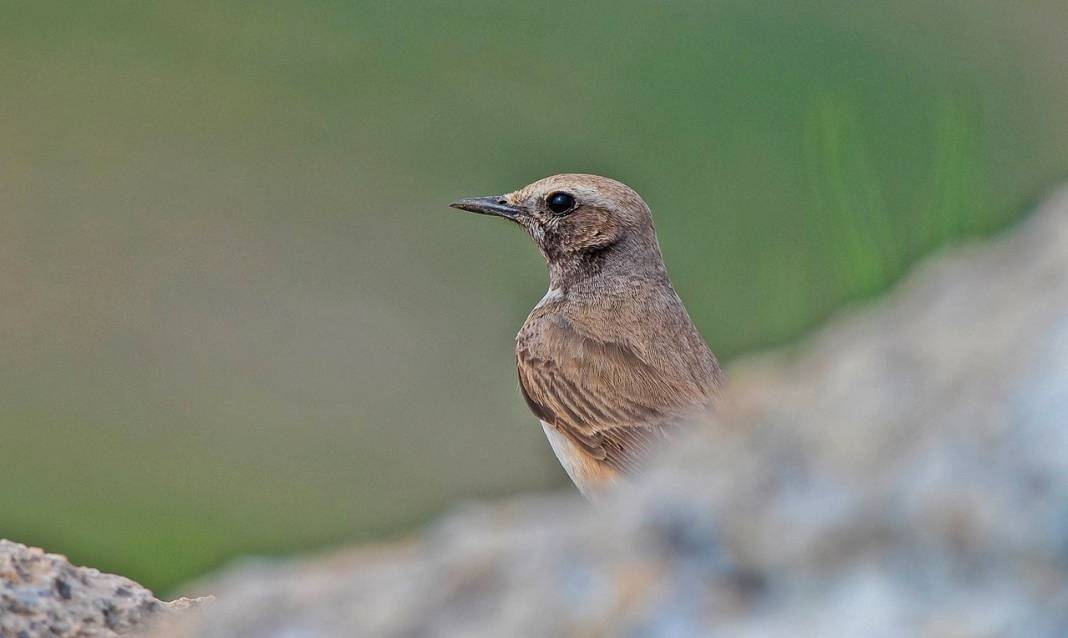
column 601, row 394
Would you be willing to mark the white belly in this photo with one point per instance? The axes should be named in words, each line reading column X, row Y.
column 585, row 473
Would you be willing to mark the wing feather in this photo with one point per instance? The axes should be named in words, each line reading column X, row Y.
column 602, row 395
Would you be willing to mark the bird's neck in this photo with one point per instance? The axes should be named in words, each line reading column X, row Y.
column 618, row 267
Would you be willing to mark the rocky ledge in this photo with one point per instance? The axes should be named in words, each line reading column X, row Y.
column 44, row 595
column 903, row 473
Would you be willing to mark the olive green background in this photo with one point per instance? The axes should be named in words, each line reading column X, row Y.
column 237, row 316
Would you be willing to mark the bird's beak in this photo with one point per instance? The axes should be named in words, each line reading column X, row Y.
column 489, row 205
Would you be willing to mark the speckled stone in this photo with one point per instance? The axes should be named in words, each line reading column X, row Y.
column 44, row 595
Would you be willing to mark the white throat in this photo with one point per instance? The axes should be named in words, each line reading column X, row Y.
column 552, row 294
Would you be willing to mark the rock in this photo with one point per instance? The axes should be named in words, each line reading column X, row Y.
column 44, row 595
column 904, row 473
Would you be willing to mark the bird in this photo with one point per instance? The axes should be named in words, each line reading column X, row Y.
column 609, row 360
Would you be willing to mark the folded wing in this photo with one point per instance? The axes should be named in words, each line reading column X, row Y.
column 602, row 395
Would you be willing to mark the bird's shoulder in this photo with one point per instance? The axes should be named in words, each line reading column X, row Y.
column 649, row 342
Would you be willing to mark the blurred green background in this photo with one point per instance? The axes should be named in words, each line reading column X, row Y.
column 237, row 316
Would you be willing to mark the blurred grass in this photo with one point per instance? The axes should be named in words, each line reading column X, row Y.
column 239, row 318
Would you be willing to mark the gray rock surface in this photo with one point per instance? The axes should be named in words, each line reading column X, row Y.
column 44, row 595
column 904, row 473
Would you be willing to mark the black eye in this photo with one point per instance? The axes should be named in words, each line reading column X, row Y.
column 560, row 203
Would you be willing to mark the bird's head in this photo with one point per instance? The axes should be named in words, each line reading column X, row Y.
column 581, row 223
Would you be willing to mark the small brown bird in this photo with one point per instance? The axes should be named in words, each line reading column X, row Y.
column 608, row 360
